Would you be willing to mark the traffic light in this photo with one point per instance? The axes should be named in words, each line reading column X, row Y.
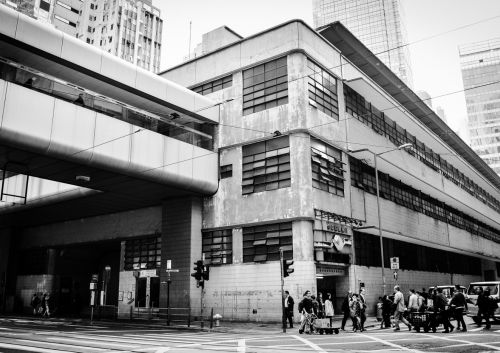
column 287, row 267
column 198, row 274
column 206, row 272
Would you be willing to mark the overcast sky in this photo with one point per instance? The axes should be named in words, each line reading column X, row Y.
column 435, row 61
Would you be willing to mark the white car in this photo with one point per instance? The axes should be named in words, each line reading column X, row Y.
column 472, row 291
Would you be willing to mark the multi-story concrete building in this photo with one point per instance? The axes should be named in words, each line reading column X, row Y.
column 480, row 63
column 129, row 29
column 300, row 108
column 277, row 152
column 379, row 24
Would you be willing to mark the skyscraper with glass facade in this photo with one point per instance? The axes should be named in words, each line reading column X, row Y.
column 377, row 23
column 480, row 63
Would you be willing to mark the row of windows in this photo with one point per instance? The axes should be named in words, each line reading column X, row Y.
column 143, row 253
column 358, row 107
column 322, row 89
column 217, row 247
column 363, row 176
column 214, row 86
column 266, row 165
column 412, row 257
column 327, row 168
column 265, row 86
column 263, row 243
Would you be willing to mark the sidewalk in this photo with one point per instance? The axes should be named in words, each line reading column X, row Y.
column 225, row 326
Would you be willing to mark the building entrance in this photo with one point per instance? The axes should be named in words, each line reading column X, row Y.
column 147, row 292
column 327, row 285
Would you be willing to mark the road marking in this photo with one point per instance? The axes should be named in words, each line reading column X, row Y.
column 476, row 329
column 310, row 344
column 89, row 340
column 391, row 344
column 162, row 350
column 496, row 348
column 30, row 349
column 241, row 346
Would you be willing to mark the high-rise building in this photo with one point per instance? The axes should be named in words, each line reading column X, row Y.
column 377, row 23
column 480, row 63
column 129, row 29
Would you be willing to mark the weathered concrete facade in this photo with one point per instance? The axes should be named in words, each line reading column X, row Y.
column 248, row 290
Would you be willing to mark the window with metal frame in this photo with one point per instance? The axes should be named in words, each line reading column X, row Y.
column 143, row 253
column 266, row 165
column 366, row 113
column 327, row 168
column 406, row 196
column 265, row 86
column 214, row 86
column 322, row 88
column 217, row 246
column 226, row 171
column 263, row 243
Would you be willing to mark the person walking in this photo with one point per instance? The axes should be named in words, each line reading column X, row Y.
column 345, row 309
column 483, row 304
column 458, row 305
column 399, row 302
column 43, row 304
column 289, row 303
column 306, row 309
column 35, row 303
column 386, row 311
column 363, row 306
column 413, row 301
column 329, row 308
column 355, row 311
column 321, row 306
column 440, row 303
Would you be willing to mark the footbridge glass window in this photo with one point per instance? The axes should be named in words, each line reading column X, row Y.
column 265, row 86
column 217, row 246
column 143, row 253
column 181, row 127
column 322, row 90
column 327, row 168
column 263, row 243
column 266, row 165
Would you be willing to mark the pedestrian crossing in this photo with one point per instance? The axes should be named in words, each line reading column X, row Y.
column 94, row 342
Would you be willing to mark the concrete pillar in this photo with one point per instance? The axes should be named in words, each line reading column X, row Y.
column 5, row 237
column 181, row 243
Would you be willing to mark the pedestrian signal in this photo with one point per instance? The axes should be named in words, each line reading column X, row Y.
column 287, row 268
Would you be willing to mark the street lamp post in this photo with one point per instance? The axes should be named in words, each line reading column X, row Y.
column 375, row 155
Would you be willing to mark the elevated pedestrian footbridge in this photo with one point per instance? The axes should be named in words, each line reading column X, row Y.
column 74, row 114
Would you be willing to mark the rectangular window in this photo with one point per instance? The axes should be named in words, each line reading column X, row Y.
column 217, row 246
column 143, row 253
column 44, row 5
column 266, row 165
column 265, row 86
column 214, row 86
column 327, row 168
column 263, row 243
column 226, row 171
column 322, row 89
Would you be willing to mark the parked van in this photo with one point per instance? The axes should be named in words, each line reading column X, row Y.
column 448, row 290
column 472, row 292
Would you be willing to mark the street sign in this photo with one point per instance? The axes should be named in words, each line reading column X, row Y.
column 394, row 263
column 176, row 270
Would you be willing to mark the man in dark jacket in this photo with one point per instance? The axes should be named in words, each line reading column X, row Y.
column 458, row 306
column 289, row 303
column 346, row 310
column 440, row 303
column 483, row 305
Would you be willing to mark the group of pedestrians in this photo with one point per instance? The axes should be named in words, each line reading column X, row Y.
column 41, row 306
column 354, row 307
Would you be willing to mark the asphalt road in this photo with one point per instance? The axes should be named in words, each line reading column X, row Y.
column 52, row 336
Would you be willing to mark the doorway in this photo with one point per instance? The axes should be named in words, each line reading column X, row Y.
column 328, row 284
